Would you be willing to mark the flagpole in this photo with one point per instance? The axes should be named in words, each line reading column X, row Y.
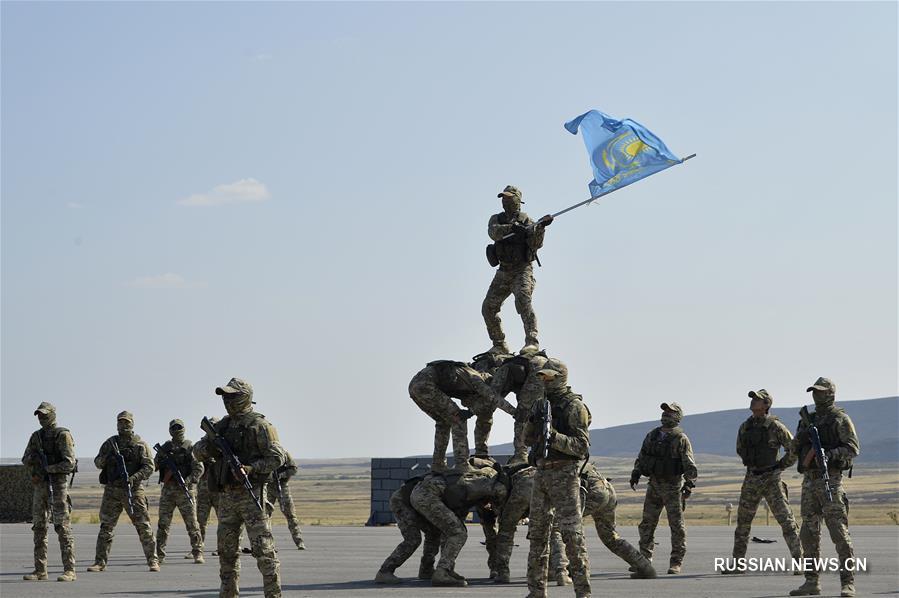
column 586, row 201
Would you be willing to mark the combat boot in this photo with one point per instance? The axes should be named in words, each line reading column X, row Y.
column 153, row 565
column 456, row 575
column 811, row 587
column 97, row 567
column 499, row 347
column 674, row 569
column 67, row 576
column 647, row 572
column 502, row 577
column 562, row 578
column 35, row 576
column 301, row 545
column 199, row 559
column 425, row 571
column 444, row 578
column 847, row 589
column 387, row 577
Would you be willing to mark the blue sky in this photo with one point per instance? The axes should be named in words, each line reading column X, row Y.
column 297, row 194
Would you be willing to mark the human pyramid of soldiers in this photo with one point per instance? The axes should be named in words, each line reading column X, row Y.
column 239, row 468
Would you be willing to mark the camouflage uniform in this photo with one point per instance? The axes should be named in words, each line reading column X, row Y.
column 665, row 457
column 139, row 467
column 254, row 441
column 557, row 483
column 516, row 274
column 444, row 500
column 284, row 498
column 758, row 443
column 519, row 375
column 433, row 389
column 172, row 495
column 207, row 500
column 58, row 447
column 412, row 526
column 841, row 446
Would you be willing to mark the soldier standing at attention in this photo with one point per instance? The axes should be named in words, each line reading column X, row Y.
column 665, row 458
column 124, row 490
column 254, row 442
column 759, row 441
column 50, row 455
column 278, row 488
column 557, row 481
column 516, row 274
column 841, row 446
column 179, row 452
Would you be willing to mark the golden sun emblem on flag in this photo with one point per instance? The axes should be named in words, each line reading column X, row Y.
column 620, row 153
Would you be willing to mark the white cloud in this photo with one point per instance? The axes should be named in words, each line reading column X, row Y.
column 242, row 191
column 74, row 205
column 163, row 281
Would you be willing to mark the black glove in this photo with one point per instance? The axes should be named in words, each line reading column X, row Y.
column 635, row 479
column 687, row 489
column 546, row 220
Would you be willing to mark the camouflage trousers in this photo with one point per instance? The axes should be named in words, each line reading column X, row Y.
column 206, row 502
column 173, row 496
column 663, row 494
column 237, row 509
column 412, row 526
column 444, row 411
column 770, row 487
column 601, row 504
column 557, row 489
column 520, row 283
column 514, row 510
column 288, row 508
column 815, row 506
column 43, row 513
column 427, row 499
column 482, row 427
column 115, row 500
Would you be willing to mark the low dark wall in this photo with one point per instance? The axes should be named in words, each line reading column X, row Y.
column 15, row 494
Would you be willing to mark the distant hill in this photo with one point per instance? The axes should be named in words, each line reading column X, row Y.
column 876, row 421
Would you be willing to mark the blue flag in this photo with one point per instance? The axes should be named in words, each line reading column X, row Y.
column 621, row 151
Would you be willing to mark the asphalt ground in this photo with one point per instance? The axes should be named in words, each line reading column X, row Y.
column 341, row 561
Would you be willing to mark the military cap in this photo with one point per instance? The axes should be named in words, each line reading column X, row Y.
column 235, row 386
column 176, row 422
column 672, row 408
column 45, row 408
column 510, row 191
column 126, row 415
column 762, row 395
column 824, row 384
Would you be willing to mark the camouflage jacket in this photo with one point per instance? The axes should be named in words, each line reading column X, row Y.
column 191, row 470
column 252, row 439
column 105, row 459
column 59, row 447
column 570, row 435
column 838, row 438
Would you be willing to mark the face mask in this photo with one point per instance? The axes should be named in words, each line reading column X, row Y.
column 822, row 399
column 669, row 421
column 237, row 405
column 511, row 206
column 46, row 420
column 177, row 434
column 125, row 427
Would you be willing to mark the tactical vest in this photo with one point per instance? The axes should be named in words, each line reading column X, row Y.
column 446, row 376
column 132, row 454
column 242, row 447
column 182, row 457
column 559, row 411
column 756, row 437
column 828, row 431
column 513, row 251
column 658, row 457
column 49, row 440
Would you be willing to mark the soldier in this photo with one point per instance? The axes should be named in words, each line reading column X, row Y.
column 254, row 442
column 841, row 446
column 444, row 500
column 118, row 494
column 758, row 443
column 433, row 389
column 207, row 499
column 278, row 487
column 518, row 374
column 50, row 455
column 412, row 525
column 556, row 482
column 516, row 274
column 665, row 457
column 179, row 449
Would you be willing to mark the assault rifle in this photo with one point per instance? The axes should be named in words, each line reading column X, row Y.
column 120, row 461
column 234, row 463
column 542, row 416
column 685, row 492
column 172, row 467
column 42, row 457
column 817, row 453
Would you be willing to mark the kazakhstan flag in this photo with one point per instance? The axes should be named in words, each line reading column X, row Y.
column 621, row 151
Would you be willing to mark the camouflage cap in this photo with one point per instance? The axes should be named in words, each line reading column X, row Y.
column 824, row 384
column 672, row 408
column 176, row 422
column 762, row 395
column 235, row 386
column 45, row 408
column 126, row 415
column 510, row 191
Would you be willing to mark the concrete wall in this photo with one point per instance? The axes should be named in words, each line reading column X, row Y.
column 388, row 474
column 15, row 494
